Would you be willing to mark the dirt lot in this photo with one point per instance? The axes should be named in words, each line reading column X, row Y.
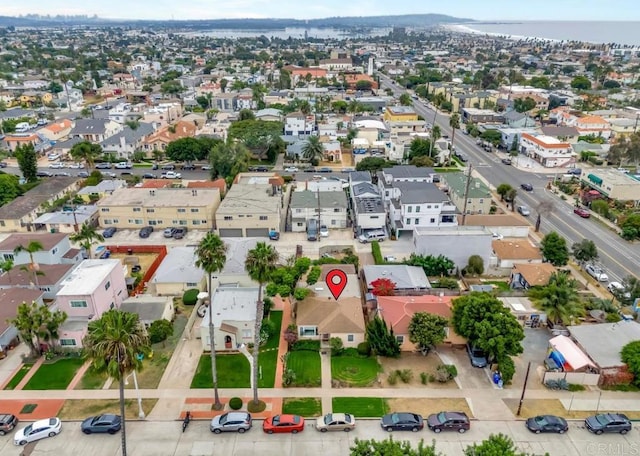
column 417, row 364
column 143, row 259
column 536, row 407
column 77, row 409
column 427, row 406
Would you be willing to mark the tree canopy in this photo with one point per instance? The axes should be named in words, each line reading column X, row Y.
column 27, row 161
column 261, row 137
column 559, row 299
column 187, row 150
column 373, row 164
column 433, row 265
column 554, row 249
column 9, row 188
column 585, row 251
column 390, row 447
column 630, row 355
column 427, row 330
column 381, row 338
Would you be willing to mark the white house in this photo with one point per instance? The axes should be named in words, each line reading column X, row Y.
column 177, row 273
column 299, row 124
column 548, row 151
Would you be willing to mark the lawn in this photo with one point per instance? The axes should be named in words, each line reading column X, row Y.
column 362, row 407
column 16, row 379
column 499, row 284
column 79, row 409
column 54, row 376
column 303, row 406
column 274, row 341
column 354, row 370
column 306, row 365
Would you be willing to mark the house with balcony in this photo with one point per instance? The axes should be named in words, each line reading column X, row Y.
column 368, row 210
column 56, row 249
column 133, row 208
column 328, row 207
column 297, row 124
column 12, row 141
column 126, row 142
column 160, row 139
column 94, row 130
column 93, row 288
column 612, row 184
column 548, row 151
column 234, row 318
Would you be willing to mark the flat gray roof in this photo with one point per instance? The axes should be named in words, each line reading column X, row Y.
column 603, row 342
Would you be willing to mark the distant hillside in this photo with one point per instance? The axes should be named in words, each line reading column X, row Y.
column 407, row 20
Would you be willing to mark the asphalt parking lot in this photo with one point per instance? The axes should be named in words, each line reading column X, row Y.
column 166, row 439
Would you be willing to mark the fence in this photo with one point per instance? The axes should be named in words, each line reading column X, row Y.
column 577, row 378
column 159, row 250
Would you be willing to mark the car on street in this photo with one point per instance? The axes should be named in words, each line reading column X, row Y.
column 37, row 430
column 390, row 259
column 74, row 165
column 62, row 174
column 83, row 174
column 526, row 187
column 188, row 167
column 617, row 289
column 168, row 232
column 547, row 423
column 449, row 421
column 402, row 421
column 123, row 165
column 179, row 233
column 283, row 423
column 574, row 171
column 171, row 175
column 596, row 272
column 108, row 174
column 149, row 176
column 260, row 169
column 324, row 169
column 231, row 422
column 608, row 422
column 582, row 212
column 7, row 423
column 3, row 164
column 506, row 161
column 107, row 423
column 477, row 357
column 524, row 210
column 206, row 167
column 43, row 174
column 103, row 165
column 336, row 422
column 145, row 232
column 291, row 169
column 274, row 235
column 324, row 231
column 53, row 157
column 168, row 167
column 56, row 165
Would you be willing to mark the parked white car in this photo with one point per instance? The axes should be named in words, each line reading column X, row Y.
column 291, row 169
column 123, row 165
column 53, row 157
column 74, row 165
column 617, row 289
column 597, row 273
column 38, row 430
column 171, row 175
column 56, row 165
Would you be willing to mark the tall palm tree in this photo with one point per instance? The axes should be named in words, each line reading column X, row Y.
column 313, row 149
column 31, row 248
column 112, row 345
column 559, row 299
column 86, row 237
column 87, row 152
column 454, row 123
column 211, row 253
column 260, row 262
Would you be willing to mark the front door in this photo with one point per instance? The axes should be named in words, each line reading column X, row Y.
column 228, row 342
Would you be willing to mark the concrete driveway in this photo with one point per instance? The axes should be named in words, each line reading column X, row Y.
column 535, row 344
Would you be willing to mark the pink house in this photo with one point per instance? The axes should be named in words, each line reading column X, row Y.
column 93, row 288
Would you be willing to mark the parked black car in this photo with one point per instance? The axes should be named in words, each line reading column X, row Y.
column 145, row 232
column 526, row 187
column 43, row 174
column 149, row 176
column 547, row 423
column 109, row 232
column 402, row 422
column 7, row 423
column 188, row 167
column 608, row 422
column 449, row 421
column 106, row 423
column 179, row 233
column 3, row 164
column 506, row 161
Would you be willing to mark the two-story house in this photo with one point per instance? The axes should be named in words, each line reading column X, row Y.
column 56, row 249
column 299, row 124
column 94, row 130
column 126, row 142
column 160, row 139
column 50, row 278
column 93, row 288
column 478, row 195
column 368, row 211
column 330, row 208
column 57, row 130
column 548, row 151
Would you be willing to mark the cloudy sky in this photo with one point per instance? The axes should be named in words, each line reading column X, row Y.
column 300, row 9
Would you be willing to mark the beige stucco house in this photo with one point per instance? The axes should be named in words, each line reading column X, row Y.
column 178, row 273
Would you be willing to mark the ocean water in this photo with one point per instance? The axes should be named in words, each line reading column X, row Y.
column 627, row 32
column 293, row 32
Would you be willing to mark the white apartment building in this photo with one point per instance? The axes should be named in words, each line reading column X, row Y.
column 548, row 151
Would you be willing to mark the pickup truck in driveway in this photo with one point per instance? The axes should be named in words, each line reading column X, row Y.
column 171, row 175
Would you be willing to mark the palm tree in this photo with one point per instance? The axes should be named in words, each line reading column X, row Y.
column 260, row 262
column 7, row 266
column 313, row 149
column 86, row 237
column 112, row 345
column 559, row 299
column 31, row 248
column 87, row 152
column 211, row 253
column 544, row 208
column 454, row 123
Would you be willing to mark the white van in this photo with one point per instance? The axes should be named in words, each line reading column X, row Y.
column 22, row 127
column 375, row 235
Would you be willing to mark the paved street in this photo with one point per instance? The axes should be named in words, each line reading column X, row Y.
column 619, row 257
column 155, row 438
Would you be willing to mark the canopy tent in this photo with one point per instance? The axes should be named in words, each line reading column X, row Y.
column 567, row 354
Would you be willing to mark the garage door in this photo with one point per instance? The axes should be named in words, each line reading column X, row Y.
column 230, row 232
column 257, row 232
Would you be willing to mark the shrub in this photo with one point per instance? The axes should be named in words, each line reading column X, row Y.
column 235, row 403
column 159, row 330
column 576, row 387
column 446, row 372
column 613, row 317
column 268, row 327
column 406, row 375
column 393, row 377
column 268, row 305
column 314, row 275
column 447, row 282
column 475, row 266
column 424, row 378
column 190, row 297
column 310, row 345
column 337, row 346
column 252, row 407
column 364, row 349
column 376, row 252
column 300, row 293
column 288, row 377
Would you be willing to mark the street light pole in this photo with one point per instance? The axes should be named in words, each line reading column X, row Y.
column 524, row 389
column 141, row 414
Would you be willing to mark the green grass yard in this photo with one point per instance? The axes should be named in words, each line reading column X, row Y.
column 354, row 370
column 303, row 406
column 17, row 378
column 361, row 407
column 54, row 376
column 306, row 365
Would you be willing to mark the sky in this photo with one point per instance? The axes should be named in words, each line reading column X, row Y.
column 628, row 10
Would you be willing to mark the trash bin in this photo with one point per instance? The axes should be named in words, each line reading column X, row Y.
column 129, row 251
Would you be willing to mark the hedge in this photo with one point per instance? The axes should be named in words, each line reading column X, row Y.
column 377, row 254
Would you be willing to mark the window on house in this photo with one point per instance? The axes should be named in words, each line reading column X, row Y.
column 298, row 211
column 350, row 338
column 150, row 210
column 2, row 223
column 246, row 334
column 104, row 209
column 409, row 209
column 137, row 209
column 152, row 222
column 428, row 206
column 263, row 217
column 68, row 342
column 308, row 331
column 400, row 339
column 107, row 285
column 416, row 221
column 181, row 210
column 481, row 200
column 299, row 224
column 432, row 220
column 192, row 284
column 194, row 210
column 195, row 222
column 417, row 208
column 183, row 222
column 78, row 304
column 139, row 221
column 374, row 217
column 8, row 256
column 228, row 217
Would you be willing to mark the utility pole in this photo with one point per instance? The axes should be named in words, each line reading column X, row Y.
column 524, row 389
column 466, row 194
column 433, row 124
column 635, row 127
column 319, row 218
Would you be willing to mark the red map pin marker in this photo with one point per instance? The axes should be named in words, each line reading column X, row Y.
column 336, row 280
